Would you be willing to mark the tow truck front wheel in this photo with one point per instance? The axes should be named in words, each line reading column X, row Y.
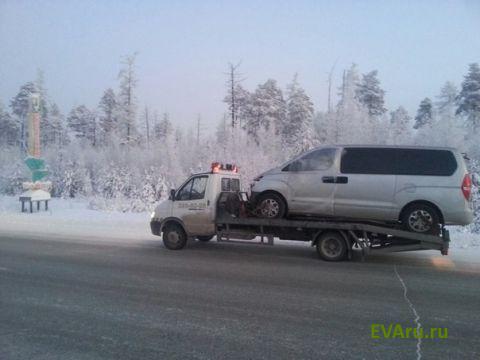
column 174, row 237
column 331, row 246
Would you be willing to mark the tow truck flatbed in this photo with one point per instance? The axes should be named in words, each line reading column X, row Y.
column 363, row 235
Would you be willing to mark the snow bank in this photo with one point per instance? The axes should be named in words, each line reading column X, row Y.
column 73, row 218
column 463, row 239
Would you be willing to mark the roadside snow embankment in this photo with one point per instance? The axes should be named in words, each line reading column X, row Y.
column 71, row 217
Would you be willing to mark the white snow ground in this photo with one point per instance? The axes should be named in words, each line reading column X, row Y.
column 71, row 218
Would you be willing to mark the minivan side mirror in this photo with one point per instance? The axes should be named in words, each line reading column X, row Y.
column 172, row 195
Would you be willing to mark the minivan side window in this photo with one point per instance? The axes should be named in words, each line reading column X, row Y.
column 427, row 162
column 368, row 161
column 321, row 159
column 194, row 189
column 394, row 161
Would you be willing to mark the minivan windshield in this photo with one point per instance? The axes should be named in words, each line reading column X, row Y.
column 321, row 159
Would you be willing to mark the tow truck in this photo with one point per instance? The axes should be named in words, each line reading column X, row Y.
column 212, row 204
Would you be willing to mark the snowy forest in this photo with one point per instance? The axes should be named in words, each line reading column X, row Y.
column 120, row 156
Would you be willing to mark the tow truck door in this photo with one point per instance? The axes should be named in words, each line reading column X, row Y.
column 192, row 206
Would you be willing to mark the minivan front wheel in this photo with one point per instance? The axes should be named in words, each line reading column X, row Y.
column 271, row 206
column 421, row 218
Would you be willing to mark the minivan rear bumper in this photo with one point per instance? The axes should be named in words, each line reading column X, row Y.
column 464, row 217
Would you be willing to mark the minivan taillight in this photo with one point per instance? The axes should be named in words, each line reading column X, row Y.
column 467, row 186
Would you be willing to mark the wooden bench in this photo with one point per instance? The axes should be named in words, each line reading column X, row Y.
column 29, row 200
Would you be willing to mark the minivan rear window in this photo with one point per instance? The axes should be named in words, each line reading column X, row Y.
column 393, row 161
column 425, row 162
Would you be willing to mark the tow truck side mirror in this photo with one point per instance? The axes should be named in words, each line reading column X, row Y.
column 172, row 195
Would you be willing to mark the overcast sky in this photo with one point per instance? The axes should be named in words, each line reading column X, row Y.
column 184, row 47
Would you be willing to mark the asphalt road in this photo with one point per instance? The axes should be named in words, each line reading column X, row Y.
column 83, row 299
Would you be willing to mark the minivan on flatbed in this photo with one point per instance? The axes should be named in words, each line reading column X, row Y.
column 420, row 187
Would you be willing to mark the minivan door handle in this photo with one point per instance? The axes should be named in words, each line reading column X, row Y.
column 328, row 179
column 341, row 180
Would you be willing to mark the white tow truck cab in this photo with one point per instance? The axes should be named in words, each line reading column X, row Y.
column 190, row 211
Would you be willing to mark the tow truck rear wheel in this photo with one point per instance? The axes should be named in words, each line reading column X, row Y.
column 174, row 237
column 331, row 246
column 205, row 238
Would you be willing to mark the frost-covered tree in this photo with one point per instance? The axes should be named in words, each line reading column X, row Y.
column 424, row 114
column 400, row 123
column 19, row 105
column 9, row 128
column 69, row 174
column 53, row 131
column 447, row 128
column 351, row 122
column 267, row 110
column 127, row 101
column 82, row 123
column 370, row 94
column 13, row 172
column 325, row 126
column 447, row 98
column 297, row 131
column 107, row 114
column 474, row 169
column 468, row 99
column 243, row 101
column 164, row 128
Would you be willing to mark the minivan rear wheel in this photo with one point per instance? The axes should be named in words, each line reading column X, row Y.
column 421, row 218
column 271, row 206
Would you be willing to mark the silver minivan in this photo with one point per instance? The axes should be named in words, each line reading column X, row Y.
column 420, row 187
